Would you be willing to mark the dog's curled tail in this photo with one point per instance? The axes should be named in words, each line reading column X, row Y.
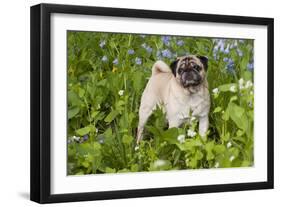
column 160, row 67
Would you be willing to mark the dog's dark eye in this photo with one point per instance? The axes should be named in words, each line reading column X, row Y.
column 196, row 67
column 180, row 70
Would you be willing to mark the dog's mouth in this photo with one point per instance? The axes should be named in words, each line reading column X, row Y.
column 190, row 78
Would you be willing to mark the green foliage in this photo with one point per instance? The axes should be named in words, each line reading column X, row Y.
column 107, row 74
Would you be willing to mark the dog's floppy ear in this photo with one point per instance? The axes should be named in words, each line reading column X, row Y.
column 173, row 66
column 204, row 60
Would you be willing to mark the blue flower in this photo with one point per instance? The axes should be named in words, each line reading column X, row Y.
column 240, row 53
column 85, row 137
column 104, row 59
column 102, row 43
column 138, row 61
column 250, row 66
column 166, row 40
column 230, row 66
column 144, row 45
column 115, row 61
column 226, row 51
column 180, row 42
column 166, row 53
column 158, row 55
column 131, row 51
column 147, row 48
column 225, row 59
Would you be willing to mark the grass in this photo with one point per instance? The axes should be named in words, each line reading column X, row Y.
column 107, row 73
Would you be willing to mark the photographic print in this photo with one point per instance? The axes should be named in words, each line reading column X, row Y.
column 142, row 102
column 130, row 103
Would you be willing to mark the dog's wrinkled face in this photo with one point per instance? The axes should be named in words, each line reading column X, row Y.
column 190, row 70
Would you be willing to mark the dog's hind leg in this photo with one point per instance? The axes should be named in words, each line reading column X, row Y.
column 146, row 109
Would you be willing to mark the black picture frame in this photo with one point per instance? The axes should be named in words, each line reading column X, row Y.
column 41, row 96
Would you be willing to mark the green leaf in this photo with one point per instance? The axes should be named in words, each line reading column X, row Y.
column 138, row 81
column 110, row 170
column 83, row 131
column 127, row 139
column 219, row 148
column 217, row 109
column 171, row 135
column 134, row 168
column 226, row 87
column 73, row 98
column 237, row 114
column 233, row 98
column 225, row 115
column 198, row 155
column 94, row 114
column 73, row 111
column 81, row 92
column 111, row 116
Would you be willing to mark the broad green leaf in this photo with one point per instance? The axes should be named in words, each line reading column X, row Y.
column 127, row 139
column 226, row 87
column 198, row 155
column 219, row 148
column 171, row 135
column 237, row 114
column 217, row 109
column 81, row 92
column 110, row 170
column 72, row 112
column 83, row 131
column 111, row 116
column 73, row 98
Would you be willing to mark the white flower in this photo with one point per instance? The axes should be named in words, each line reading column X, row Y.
column 137, row 147
column 231, row 158
column 228, row 145
column 215, row 90
column 191, row 133
column 217, row 164
column 248, row 84
column 241, row 83
column 181, row 138
column 232, row 88
column 193, row 119
column 121, row 92
column 75, row 138
column 159, row 163
column 97, row 130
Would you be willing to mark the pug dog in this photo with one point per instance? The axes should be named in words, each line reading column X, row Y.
column 181, row 90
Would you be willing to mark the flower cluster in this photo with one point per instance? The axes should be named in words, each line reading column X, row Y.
column 131, row 52
column 138, row 61
column 244, row 85
column 104, row 58
column 115, row 61
column 78, row 139
column 191, row 133
column 147, row 47
column 166, row 40
column 102, row 43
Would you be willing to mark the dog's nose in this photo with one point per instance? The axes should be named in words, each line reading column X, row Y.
column 190, row 75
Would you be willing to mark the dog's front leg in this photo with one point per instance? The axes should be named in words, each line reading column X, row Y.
column 203, row 125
